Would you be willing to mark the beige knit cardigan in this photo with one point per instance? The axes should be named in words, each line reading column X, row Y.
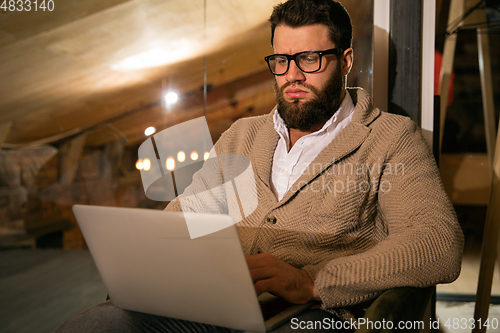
column 369, row 214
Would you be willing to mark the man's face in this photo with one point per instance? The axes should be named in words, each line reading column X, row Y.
column 307, row 99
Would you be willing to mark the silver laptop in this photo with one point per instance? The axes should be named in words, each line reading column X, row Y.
column 149, row 263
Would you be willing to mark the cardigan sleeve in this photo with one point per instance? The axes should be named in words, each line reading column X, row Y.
column 424, row 242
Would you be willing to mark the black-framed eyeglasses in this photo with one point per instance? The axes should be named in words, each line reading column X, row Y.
column 307, row 61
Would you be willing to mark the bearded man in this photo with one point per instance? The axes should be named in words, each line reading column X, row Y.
column 350, row 202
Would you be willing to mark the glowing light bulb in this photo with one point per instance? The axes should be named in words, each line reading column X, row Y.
column 170, row 164
column 171, row 98
column 206, row 155
column 146, row 164
column 181, row 156
column 194, row 156
column 150, row 130
column 139, row 165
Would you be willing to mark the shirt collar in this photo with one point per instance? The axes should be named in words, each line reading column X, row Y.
column 344, row 111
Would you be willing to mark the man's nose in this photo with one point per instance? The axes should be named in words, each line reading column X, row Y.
column 294, row 73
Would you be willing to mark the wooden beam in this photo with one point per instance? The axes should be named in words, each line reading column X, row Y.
column 71, row 153
column 113, row 152
column 456, row 10
column 483, row 47
column 229, row 100
column 489, row 247
column 4, row 132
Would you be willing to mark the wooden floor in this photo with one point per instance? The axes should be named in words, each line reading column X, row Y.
column 467, row 281
column 41, row 288
column 466, row 285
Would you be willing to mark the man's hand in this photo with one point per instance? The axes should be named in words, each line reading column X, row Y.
column 275, row 276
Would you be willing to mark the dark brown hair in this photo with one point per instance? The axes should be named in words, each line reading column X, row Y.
column 297, row 13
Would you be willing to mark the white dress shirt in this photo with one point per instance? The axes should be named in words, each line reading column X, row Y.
column 289, row 164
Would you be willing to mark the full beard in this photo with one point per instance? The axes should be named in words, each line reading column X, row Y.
column 303, row 116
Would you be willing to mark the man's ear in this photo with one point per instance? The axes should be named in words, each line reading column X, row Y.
column 346, row 61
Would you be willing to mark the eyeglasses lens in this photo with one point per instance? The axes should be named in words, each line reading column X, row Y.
column 307, row 62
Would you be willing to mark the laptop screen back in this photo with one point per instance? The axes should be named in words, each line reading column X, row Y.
column 149, row 263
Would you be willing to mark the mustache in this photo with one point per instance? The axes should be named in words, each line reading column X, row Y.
column 298, row 85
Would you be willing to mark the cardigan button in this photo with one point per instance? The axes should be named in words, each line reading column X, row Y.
column 256, row 251
column 271, row 219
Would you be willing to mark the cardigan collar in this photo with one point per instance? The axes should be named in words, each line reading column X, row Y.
column 348, row 140
column 364, row 112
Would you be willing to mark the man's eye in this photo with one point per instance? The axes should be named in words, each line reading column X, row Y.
column 282, row 61
column 310, row 60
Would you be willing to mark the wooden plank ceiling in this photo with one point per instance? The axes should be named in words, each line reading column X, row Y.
column 56, row 67
column 59, row 75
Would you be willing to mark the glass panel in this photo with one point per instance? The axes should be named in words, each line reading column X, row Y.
column 80, row 83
